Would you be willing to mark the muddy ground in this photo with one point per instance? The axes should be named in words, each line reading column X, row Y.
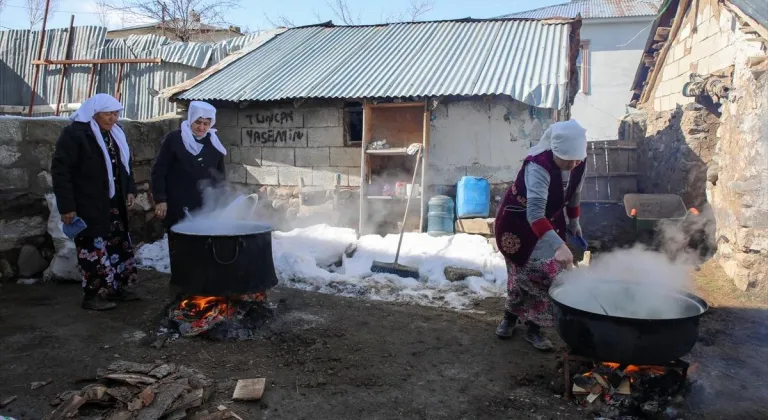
column 328, row 357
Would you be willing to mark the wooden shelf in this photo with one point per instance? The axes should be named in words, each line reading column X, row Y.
column 399, row 151
column 394, row 197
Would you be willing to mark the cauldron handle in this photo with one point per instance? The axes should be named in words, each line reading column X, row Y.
column 237, row 251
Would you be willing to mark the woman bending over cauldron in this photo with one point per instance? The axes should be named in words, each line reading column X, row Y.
column 189, row 158
column 531, row 227
column 93, row 184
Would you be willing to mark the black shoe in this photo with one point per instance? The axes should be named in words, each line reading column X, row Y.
column 538, row 340
column 97, row 303
column 505, row 329
column 122, row 295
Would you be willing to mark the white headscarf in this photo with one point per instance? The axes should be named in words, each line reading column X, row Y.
column 101, row 102
column 198, row 109
column 566, row 139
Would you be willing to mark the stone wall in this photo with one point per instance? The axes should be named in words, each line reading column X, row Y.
column 715, row 155
column 26, row 148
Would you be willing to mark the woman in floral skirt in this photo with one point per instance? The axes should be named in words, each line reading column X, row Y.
column 93, row 184
column 531, row 227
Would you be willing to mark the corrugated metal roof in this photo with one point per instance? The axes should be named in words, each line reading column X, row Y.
column 525, row 59
column 140, row 83
column 756, row 9
column 593, row 9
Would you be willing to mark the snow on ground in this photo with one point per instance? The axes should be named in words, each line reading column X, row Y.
column 332, row 260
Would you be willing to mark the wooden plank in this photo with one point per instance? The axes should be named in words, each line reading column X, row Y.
column 98, row 61
column 424, row 164
column 396, row 151
column 49, row 108
column 398, row 105
column 364, row 179
column 654, row 75
column 249, row 389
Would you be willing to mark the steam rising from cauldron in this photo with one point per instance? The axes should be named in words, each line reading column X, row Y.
column 631, row 283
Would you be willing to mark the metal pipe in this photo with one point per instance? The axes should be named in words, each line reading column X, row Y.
column 100, row 61
column 39, row 56
column 119, row 80
column 63, row 75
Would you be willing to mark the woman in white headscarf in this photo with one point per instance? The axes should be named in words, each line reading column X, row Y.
column 190, row 159
column 531, row 227
column 93, row 184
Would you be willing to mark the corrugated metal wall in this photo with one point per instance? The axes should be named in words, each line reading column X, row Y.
column 140, row 83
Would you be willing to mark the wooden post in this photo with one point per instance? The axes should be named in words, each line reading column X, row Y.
column 91, row 80
column 67, row 52
column 39, row 56
column 119, row 80
column 367, row 131
column 424, row 162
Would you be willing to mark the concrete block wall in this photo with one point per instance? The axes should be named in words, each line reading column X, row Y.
column 26, row 148
column 707, row 42
column 277, row 146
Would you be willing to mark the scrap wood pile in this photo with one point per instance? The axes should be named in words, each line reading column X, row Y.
column 141, row 391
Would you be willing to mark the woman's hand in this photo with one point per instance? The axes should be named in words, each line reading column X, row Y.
column 68, row 218
column 564, row 256
column 574, row 227
column 161, row 209
column 130, row 200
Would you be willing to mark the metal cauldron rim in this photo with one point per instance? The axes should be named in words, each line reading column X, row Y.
column 257, row 228
column 681, row 293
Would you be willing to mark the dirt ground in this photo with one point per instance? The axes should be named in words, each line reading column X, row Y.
column 328, row 357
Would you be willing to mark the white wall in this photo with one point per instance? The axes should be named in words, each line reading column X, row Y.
column 612, row 70
column 481, row 138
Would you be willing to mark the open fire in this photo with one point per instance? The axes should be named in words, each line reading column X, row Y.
column 616, row 391
column 220, row 318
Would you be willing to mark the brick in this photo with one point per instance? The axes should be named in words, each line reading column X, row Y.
column 326, row 176
column 670, row 71
column 345, row 156
column 141, row 173
column 289, row 175
column 13, row 179
column 236, row 173
column 271, row 118
column 309, row 157
column 48, row 130
column 11, row 130
column 229, row 136
column 273, row 156
column 657, row 104
column 274, row 137
column 235, row 154
column 354, row 177
column 326, row 137
column 261, row 175
column 475, row 226
column 226, row 118
column 323, row 117
column 251, row 156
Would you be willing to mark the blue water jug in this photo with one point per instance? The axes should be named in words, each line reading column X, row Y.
column 440, row 216
column 473, row 197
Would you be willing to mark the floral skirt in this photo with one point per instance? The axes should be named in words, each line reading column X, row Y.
column 528, row 290
column 107, row 263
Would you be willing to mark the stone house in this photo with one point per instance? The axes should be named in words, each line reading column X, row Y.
column 301, row 106
column 700, row 94
column 613, row 34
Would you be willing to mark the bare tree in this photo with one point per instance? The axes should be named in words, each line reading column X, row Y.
column 36, row 11
column 102, row 10
column 413, row 13
column 2, row 3
column 341, row 10
column 183, row 19
column 280, row 21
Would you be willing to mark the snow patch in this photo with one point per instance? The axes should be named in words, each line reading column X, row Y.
column 315, row 259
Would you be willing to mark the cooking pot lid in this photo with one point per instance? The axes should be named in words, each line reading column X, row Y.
column 220, row 228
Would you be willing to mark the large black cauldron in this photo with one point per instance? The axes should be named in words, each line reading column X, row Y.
column 665, row 334
column 236, row 260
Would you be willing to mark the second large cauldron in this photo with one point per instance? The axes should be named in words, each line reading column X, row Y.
column 223, row 260
column 643, row 326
